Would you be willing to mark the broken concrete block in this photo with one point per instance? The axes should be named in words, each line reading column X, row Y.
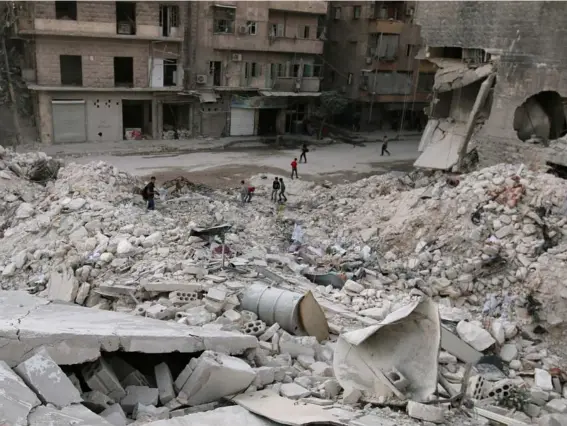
column 351, row 396
column 96, row 401
column 126, row 374
column 353, row 286
column 164, row 382
column 269, row 333
column 298, row 345
column 48, row 381
column 552, row 420
column 16, row 399
column 508, row 352
column 138, row 395
column 264, row 376
column 183, row 376
column 428, row 413
column 558, row 405
column 217, row 375
column 114, row 415
column 543, row 379
column 73, row 415
column 331, row 388
column 149, row 412
column 100, row 376
column 294, row 391
column 476, row 336
column 63, row 286
column 321, row 369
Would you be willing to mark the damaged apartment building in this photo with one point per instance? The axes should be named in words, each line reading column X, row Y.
column 104, row 71
column 500, row 88
column 108, row 71
column 371, row 52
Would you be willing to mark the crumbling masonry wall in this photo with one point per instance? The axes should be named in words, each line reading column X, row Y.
column 525, row 39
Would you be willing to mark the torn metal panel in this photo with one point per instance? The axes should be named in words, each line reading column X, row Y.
column 285, row 411
column 442, row 150
column 454, row 74
column 406, row 341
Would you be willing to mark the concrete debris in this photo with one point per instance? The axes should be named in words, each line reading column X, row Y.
column 486, row 255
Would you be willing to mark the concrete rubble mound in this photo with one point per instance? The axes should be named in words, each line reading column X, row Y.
column 299, row 314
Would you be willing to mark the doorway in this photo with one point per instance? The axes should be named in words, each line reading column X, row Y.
column 136, row 118
column 215, row 72
column 267, row 122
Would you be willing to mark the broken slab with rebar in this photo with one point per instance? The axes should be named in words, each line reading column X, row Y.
column 74, row 335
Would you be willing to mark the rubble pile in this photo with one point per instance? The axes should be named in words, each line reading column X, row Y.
column 482, row 255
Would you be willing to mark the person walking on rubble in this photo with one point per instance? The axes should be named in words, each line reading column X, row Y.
column 243, row 192
column 304, row 151
column 294, row 168
column 385, row 146
column 148, row 193
column 282, row 198
column 275, row 189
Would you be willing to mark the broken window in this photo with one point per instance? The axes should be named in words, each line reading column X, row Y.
column 317, row 70
column 277, row 30
column 224, row 20
column 307, row 70
column 252, row 69
column 124, row 71
column 425, row 82
column 356, row 12
column 71, row 70
column 215, row 72
column 295, row 70
column 126, row 17
column 541, row 117
column 170, row 72
column 169, row 20
column 383, row 46
column 277, row 70
column 66, row 10
column 321, row 28
column 251, row 27
column 303, row 31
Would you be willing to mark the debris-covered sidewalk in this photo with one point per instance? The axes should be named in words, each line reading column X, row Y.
column 396, row 300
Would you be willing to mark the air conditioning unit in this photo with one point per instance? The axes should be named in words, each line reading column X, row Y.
column 201, row 79
column 236, row 57
column 243, row 29
column 368, row 60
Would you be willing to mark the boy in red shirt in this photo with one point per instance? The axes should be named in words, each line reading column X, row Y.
column 294, row 168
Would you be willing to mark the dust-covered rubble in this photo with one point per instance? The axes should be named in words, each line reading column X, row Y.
column 487, row 247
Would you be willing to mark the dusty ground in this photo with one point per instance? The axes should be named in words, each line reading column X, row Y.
column 335, row 163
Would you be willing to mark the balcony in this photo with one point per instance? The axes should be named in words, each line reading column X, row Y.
column 266, row 44
column 313, row 7
column 287, row 84
column 387, row 26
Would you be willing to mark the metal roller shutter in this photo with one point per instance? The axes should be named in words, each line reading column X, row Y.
column 241, row 122
column 69, row 121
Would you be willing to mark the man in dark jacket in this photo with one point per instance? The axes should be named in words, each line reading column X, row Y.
column 304, row 151
column 275, row 189
column 282, row 197
column 149, row 192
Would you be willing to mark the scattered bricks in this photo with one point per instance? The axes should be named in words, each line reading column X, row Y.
column 476, row 387
column 215, row 376
column 351, row 396
column 232, row 315
column 164, row 382
column 96, row 401
column 269, row 333
column 254, row 328
column 99, row 376
column 428, row 413
column 150, row 413
column 501, row 389
column 216, row 295
column 294, row 391
column 264, row 376
column 48, row 381
column 182, row 298
column 398, row 379
column 157, row 311
column 139, row 395
column 114, row 415
column 248, row 316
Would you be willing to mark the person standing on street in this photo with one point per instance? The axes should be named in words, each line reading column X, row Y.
column 294, row 168
column 385, row 146
column 304, row 151
column 275, row 189
column 282, row 197
column 148, row 193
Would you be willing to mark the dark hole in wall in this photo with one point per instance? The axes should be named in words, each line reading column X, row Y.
column 123, row 71
column 541, row 115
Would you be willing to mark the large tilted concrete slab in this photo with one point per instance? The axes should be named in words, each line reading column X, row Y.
column 74, row 334
column 225, row 416
column 16, row 399
column 74, row 415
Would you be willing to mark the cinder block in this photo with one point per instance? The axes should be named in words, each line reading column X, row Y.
column 139, row 395
column 215, row 376
column 48, row 381
column 164, row 382
column 100, row 376
column 398, row 379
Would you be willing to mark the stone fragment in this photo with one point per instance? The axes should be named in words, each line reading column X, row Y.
column 152, row 240
column 96, row 401
column 73, row 415
column 16, row 399
column 497, row 331
column 558, row 405
column 75, row 204
column 269, row 333
column 139, row 395
column 48, row 381
column 475, row 335
column 509, row 352
column 264, row 376
column 552, row 420
column 331, row 388
column 82, row 293
column 351, row 396
column 353, row 286
column 164, row 382
column 63, row 286
column 150, row 413
column 124, row 247
column 428, row 413
column 215, row 376
column 367, row 234
column 100, row 376
column 114, row 415
column 543, row 379
column 321, row 369
column 298, row 345
column 294, row 391
column 24, row 211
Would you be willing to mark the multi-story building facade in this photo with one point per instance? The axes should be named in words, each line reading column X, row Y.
column 500, row 87
column 371, row 56
column 262, row 59
column 104, row 71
